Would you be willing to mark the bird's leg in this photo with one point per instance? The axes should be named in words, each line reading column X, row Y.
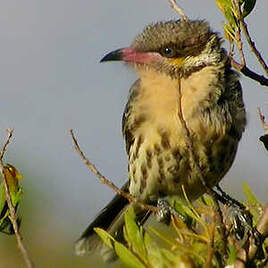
column 230, row 201
column 166, row 211
column 242, row 213
column 243, row 223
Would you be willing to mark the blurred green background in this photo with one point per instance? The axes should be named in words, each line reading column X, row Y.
column 51, row 81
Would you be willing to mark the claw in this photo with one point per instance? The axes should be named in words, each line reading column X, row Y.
column 164, row 214
column 166, row 211
column 259, row 239
column 242, row 219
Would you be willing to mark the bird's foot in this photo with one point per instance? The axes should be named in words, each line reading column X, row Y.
column 242, row 218
column 243, row 230
column 166, row 211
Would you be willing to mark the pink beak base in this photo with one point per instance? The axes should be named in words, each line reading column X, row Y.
column 131, row 55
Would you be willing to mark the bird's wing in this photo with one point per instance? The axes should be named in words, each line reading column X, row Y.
column 236, row 106
column 127, row 120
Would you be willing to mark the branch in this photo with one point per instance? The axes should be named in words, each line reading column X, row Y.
column 242, row 67
column 104, row 180
column 11, row 208
column 4, row 149
column 244, row 256
column 262, row 226
column 249, row 73
column 211, row 249
column 253, row 47
column 179, row 10
column 240, row 47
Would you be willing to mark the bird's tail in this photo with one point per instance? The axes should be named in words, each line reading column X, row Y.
column 111, row 219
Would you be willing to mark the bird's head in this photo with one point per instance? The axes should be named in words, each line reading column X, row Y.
column 176, row 48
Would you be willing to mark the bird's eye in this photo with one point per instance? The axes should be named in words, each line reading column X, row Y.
column 168, row 52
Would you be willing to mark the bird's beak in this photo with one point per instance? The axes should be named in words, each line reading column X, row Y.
column 131, row 55
column 114, row 55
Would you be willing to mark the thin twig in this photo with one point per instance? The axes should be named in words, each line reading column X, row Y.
column 231, row 50
column 236, row 6
column 244, row 256
column 242, row 66
column 253, row 47
column 178, row 9
column 13, row 217
column 240, row 48
column 211, row 249
column 262, row 226
column 104, row 180
column 249, row 73
column 222, row 227
column 3, row 151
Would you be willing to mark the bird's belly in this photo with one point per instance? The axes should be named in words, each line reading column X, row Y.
column 160, row 164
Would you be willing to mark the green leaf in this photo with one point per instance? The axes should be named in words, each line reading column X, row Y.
column 105, row 237
column 207, row 200
column 248, row 7
column 252, row 199
column 5, row 216
column 191, row 213
column 229, row 32
column 16, row 196
column 228, row 11
column 188, row 219
column 224, row 5
column 232, row 252
column 134, row 234
column 153, row 251
column 127, row 256
column 168, row 254
column 123, row 253
column 178, row 205
column 2, row 197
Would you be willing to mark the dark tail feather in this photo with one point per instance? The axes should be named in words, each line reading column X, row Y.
column 110, row 219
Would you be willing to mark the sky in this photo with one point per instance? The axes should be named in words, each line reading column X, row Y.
column 51, row 81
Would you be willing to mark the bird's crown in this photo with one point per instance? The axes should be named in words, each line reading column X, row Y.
column 181, row 36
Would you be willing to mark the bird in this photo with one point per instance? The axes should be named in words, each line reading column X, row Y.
column 12, row 177
column 184, row 75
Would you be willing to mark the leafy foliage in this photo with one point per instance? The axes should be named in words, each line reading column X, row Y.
column 195, row 241
column 232, row 16
column 15, row 190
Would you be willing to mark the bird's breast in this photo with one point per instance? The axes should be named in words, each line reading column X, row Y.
column 159, row 160
column 161, row 98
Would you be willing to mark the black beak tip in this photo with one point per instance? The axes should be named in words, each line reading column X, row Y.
column 115, row 55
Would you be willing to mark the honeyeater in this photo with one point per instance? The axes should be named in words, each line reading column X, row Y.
column 15, row 190
column 183, row 73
